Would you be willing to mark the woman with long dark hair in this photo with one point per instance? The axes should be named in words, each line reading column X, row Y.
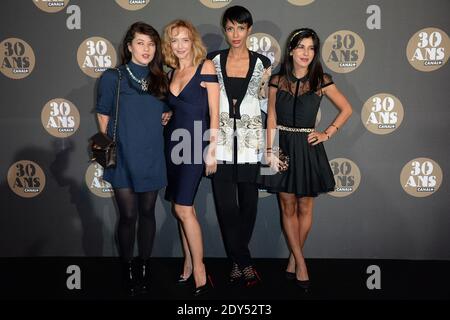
column 294, row 99
column 140, row 170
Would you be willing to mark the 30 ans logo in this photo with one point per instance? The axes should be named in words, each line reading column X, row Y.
column 95, row 55
column 60, row 118
column 421, row 177
column 427, row 50
column 346, row 175
column 300, row 2
column 215, row 4
column 17, row 58
column 266, row 45
column 26, row 179
column 343, row 51
column 95, row 183
column 132, row 4
column 382, row 113
column 51, row 6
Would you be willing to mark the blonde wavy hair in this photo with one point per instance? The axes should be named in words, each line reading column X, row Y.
column 198, row 47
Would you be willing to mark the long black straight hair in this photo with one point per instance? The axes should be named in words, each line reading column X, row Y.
column 315, row 70
column 158, row 84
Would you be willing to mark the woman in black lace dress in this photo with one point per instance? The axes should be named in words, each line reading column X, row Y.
column 294, row 99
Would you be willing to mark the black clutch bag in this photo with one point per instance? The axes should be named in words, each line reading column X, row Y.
column 283, row 163
column 103, row 147
column 103, row 150
column 280, row 161
column 283, row 159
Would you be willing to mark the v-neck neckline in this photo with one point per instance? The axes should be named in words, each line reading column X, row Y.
column 187, row 83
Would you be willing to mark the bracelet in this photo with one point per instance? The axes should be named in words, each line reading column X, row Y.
column 332, row 125
column 327, row 135
column 273, row 149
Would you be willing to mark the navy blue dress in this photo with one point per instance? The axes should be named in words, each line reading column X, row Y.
column 187, row 126
column 140, row 141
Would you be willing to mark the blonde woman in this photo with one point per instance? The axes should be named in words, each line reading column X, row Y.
column 194, row 100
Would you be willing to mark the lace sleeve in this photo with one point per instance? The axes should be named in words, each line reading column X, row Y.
column 327, row 80
column 274, row 81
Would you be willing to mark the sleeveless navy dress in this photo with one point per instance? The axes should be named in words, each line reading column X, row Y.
column 184, row 139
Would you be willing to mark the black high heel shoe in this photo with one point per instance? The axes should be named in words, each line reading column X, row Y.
column 251, row 277
column 289, row 275
column 207, row 287
column 305, row 285
column 182, row 281
column 236, row 275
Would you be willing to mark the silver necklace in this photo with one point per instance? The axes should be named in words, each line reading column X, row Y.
column 142, row 82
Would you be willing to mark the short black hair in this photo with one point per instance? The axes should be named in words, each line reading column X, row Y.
column 237, row 14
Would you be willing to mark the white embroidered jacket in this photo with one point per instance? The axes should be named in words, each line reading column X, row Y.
column 247, row 112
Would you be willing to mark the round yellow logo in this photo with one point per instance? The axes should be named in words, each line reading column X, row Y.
column 17, row 58
column 132, row 4
column 346, row 175
column 51, row 6
column 60, row 118
column 382, row 113
column 95, row 55
column 421, row 177
column 215, row 4
column 95, row 183
column 26, row 179
column 266, row 45
column 343, row 51
column 428, row 49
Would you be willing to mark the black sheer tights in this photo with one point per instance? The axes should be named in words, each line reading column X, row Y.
column 131, row 203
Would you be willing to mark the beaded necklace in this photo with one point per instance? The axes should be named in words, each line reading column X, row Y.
column 142, row 82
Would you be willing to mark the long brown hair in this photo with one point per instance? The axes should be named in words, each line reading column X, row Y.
column 157, row 79
column 315, row 70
